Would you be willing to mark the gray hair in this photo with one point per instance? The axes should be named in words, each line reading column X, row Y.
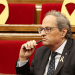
column 61, row 22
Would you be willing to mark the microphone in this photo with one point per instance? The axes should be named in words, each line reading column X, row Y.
column 36, row 43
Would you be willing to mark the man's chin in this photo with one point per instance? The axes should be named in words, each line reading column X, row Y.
column 45, row 44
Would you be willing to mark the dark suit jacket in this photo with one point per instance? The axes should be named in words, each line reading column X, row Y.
column 40, row 59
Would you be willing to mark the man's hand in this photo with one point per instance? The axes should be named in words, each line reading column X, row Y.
column 26, row 53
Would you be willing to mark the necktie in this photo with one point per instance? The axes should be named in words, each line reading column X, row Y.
column 51, row 68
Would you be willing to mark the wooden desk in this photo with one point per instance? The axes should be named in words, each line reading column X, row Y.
column 22, row 32
column 20, row 36
column 35, row 1
column 23, row 28
column 19, row 28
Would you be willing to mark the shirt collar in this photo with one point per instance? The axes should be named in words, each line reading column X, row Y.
column 60, row 49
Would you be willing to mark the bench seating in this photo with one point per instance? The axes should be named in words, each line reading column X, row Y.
column 48, row 7
column 21, row 14
column 9, row 53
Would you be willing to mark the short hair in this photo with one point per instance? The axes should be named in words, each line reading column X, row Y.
column 61, row 22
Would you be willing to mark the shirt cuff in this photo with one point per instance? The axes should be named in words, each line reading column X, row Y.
column 20, row 64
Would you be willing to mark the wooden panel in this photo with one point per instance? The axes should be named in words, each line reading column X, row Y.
column 20, row 36
column 35, row 1
column 30, row 32
column 37, row 16
column 25, row 28
column 73, row 28
column 73, row 36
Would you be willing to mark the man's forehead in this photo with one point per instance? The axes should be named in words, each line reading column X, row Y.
column 50, row 17
column 49, row 21
column 43, row 26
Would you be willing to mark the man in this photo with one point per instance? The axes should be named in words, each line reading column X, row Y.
column 56, row 37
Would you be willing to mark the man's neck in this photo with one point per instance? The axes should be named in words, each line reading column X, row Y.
column 54, row 47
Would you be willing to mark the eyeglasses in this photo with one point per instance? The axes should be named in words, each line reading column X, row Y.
column 46, row 29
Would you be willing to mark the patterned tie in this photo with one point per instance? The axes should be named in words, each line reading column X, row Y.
column 51, row 68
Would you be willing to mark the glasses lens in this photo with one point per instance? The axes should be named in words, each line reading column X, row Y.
column 47, row 29
column 40, row 29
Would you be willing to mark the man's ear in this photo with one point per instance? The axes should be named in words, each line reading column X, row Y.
column 63, row 32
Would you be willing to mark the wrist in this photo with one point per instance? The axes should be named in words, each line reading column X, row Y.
column 22, row 59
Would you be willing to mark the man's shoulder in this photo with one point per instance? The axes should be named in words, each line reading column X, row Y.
column 39, row 53
column 71, row 41
column 42, row 49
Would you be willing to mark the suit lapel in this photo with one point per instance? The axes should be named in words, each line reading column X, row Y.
column 44, row 62
column 61, row 61
column 63, row 56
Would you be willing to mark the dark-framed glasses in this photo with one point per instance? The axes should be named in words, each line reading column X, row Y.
column 46, row 29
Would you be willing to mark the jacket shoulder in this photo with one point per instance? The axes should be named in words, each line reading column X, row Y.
column 41, row 49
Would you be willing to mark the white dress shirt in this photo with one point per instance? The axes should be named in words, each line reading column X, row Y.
column 57, row 57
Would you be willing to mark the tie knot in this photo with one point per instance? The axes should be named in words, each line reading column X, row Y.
column 54, row 54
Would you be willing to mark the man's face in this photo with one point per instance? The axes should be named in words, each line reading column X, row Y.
column 55, row 36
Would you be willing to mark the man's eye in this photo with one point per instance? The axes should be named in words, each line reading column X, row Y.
column 47, row 28
column 41, row 29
